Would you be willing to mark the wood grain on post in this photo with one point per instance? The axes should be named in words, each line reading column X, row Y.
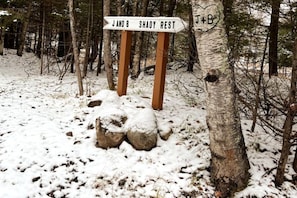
column 160, row 70
column 125, row 52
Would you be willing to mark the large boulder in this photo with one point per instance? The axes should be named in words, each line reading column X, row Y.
column 109, row 131
column 141, row 140
column 107, row 139
column 142, row 130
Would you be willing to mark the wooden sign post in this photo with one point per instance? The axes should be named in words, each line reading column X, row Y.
column 162, row 25
column 126, row 40
column 160, row 70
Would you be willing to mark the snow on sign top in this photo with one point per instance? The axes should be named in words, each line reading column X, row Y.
column 148, row 24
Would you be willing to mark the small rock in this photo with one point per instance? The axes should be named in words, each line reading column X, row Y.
column 122, row 182
column 70, row 134
column 35, row 179
column 94, row 103
column 165, row 134
column 165, row 130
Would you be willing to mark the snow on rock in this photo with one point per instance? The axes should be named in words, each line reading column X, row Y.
column 125, row 115
column 107, row 96
column 165, row 130
column 107, row 138
column 142, row 129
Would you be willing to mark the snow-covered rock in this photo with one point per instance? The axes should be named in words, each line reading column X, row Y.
column 142, row 129
column 106, row 138
column 125, row 116
column 165, row 130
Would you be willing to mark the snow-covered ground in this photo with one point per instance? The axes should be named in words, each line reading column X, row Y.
column 40, row 158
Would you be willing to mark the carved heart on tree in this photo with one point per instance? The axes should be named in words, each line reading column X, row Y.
column 206, row 17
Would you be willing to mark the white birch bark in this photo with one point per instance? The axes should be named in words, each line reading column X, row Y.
column 229, row 165
column 75, row 48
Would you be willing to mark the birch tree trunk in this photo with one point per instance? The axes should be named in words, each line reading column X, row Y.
column 107, row 49
column 75, row 48
column 229, row 162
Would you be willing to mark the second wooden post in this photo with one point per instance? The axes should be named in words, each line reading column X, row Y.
column 160, row 70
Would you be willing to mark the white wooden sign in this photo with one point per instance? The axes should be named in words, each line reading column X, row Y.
column 149, row 24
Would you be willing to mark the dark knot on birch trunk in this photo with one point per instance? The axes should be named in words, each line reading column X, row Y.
column 212, row 76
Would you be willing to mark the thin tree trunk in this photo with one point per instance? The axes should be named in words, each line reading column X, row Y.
column 286, row 145
column 227, row 13
column 257, row 100
column 35, row 41
column 161, row 7
column 100, row 56
column 75, row 48
column 39, row 40
column 139, row 43
column 135, row 7
column 135, row 11
column 24, row 30
column 107, row 49
column 18, row 33
column 172, row 4
column 87, row 48
column 295, row 161
column 10, row 38
column 42, row 39
column 273, row 57
column 101, row 41
column 292, row 109
column 192, row 44
column 229, row 162
column 120, row 12
column 1, row 40
column 94, row 48
column 93, row 39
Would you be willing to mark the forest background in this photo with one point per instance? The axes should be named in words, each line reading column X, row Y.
column 261, row 38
